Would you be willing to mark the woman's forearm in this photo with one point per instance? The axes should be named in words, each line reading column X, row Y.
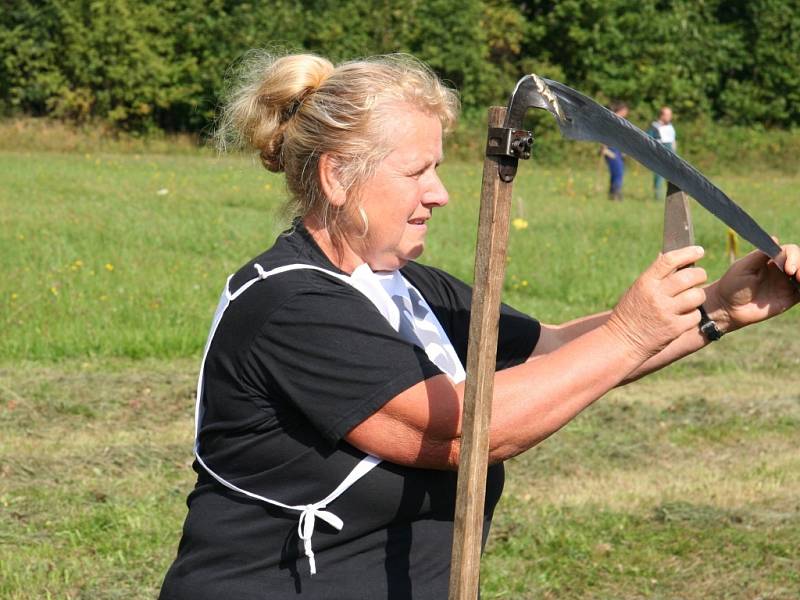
column 553, row 337
column 535, row 399
column 691, row 341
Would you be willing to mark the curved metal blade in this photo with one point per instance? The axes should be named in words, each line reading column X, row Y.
column 581, row 118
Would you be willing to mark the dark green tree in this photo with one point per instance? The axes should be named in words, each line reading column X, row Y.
column 764, row 86
column 144, row 64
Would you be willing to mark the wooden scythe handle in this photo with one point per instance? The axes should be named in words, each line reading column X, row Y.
column 490, row 263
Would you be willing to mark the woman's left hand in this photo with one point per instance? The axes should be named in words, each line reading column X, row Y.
column 754, row 289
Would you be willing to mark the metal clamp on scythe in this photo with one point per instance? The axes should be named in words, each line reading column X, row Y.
column 510, row 145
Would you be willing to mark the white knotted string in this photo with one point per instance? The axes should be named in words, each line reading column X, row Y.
column 305, row 529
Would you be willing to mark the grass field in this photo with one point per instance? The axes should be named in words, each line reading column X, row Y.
column 684, row 485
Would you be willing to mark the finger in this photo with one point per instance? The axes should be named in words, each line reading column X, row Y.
column 689, row 321
column 780, row 259
column 791, row 259
column 689, row 301
column 669, row 262
column 684, row 279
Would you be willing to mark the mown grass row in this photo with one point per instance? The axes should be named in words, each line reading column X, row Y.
column 675, row 487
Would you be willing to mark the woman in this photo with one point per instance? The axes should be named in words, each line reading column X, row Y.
column 329, row 403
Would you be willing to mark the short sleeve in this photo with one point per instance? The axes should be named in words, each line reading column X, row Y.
column 451, row 301
column 332, row 355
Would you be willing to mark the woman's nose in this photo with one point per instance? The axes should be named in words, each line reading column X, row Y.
column 436, row 195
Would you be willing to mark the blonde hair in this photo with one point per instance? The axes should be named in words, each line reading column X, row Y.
column 293, row 109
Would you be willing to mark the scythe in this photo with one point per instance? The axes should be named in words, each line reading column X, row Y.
column 578, row 118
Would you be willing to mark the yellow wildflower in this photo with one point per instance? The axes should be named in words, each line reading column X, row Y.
column 519, row 224
column 109, row 267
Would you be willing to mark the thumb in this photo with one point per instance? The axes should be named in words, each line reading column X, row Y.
column 671, row 261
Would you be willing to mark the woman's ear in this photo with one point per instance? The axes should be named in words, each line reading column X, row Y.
column 331, row 183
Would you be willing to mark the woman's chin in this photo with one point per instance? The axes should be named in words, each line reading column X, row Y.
column 413, row 254
column 397, row 261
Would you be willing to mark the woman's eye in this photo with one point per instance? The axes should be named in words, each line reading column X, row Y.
column 420, row 172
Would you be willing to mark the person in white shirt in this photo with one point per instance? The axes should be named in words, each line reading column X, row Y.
column 663, row 130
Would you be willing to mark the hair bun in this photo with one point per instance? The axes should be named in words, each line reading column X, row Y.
column 268, row 94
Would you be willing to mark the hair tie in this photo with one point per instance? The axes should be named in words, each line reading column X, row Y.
column 295, row 106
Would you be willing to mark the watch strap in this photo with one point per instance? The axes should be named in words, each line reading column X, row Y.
column 707, row 326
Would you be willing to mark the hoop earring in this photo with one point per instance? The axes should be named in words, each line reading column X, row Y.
column 365, row 220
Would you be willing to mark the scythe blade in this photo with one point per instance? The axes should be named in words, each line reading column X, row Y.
column 581, row 118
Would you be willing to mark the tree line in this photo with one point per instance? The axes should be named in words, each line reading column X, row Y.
column 161, row 64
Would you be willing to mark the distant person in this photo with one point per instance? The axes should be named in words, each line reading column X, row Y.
column 663, row 130
column 614, row 158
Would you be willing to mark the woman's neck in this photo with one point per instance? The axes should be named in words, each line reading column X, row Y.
column 341, row 255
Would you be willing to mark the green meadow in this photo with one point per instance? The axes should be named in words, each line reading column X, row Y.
column 683, row 485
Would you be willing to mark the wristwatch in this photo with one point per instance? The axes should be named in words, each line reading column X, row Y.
column 708, row 327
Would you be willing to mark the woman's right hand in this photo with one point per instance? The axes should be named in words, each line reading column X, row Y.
column 661, row 304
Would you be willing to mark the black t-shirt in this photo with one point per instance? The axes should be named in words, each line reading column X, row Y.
column 297, row 361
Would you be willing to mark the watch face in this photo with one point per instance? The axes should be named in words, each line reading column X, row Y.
column 709, row 329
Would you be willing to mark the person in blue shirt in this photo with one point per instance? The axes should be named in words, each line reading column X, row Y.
column 614, row 158
column 663, row 131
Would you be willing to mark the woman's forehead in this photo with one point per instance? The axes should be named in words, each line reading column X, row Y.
column 415, row 135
